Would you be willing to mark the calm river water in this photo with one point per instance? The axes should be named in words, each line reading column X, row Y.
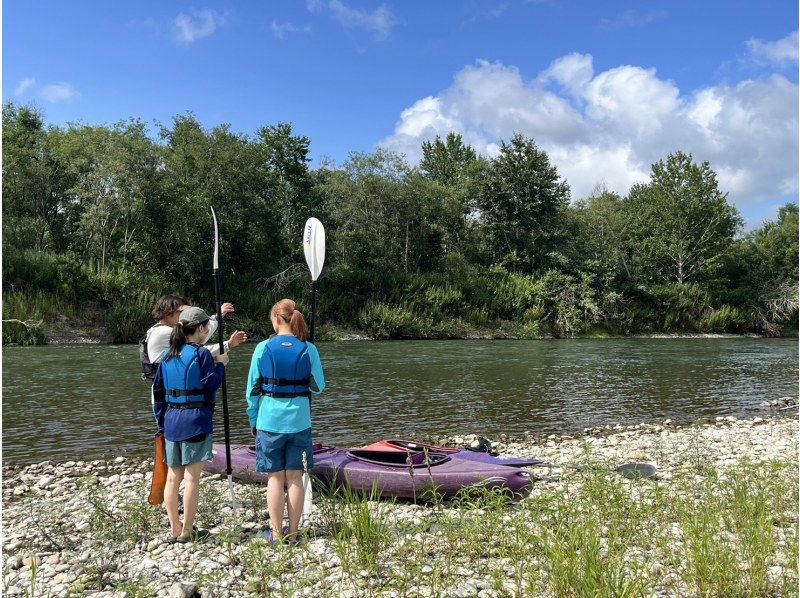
column 85, row 402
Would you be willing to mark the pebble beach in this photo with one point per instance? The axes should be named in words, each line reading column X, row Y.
column 84, row 528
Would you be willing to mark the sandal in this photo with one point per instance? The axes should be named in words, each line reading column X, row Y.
column 194, row 536
column 271, row 539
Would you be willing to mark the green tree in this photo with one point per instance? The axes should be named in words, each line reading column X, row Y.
column 521, row 199
column 448, row 162
column 776, row 243
column 224, row 169
column 113, row 172
column 448, row 170
column 600, row 242
column 682, row 224
column 284, row 158
column 370, row 212
column 34, row 182
column 763, row 268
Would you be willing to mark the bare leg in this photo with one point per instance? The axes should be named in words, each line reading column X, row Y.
column 191, row 495
column 275, row 502
column 174, row 478
column 296, row 493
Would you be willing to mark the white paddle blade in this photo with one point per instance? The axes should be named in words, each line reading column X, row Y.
column 216, row 240
column 314, row 246
column 306, row 516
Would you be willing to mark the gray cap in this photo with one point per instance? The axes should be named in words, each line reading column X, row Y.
column 193, row 316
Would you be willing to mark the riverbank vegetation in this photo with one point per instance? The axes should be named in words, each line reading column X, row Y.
column 98, row 221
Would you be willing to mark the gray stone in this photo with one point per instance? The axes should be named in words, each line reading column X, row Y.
column 183, row 589
column 466, row 590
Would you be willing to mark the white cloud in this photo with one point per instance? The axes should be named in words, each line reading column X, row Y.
column 24, row 86
column 632, row 18
column 782, row 51
column 50, row 92
column 282, row 29
column 201, row 23
column 379, row 22
column 572, row 72
column 613, row 125
column 58, row 92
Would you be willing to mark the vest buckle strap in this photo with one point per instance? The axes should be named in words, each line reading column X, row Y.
column 185, row 392
column 286, row 395
column 190, row 405
column 285, row 382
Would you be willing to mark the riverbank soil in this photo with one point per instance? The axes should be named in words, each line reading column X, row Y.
column 720, row 518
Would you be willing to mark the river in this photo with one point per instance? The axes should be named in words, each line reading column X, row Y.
column 65, row 403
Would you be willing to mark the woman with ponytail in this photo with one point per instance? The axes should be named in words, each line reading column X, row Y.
column 284, row 373
column 184, row 390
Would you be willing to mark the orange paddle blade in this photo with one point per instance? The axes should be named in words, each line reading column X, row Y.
column 159, row 472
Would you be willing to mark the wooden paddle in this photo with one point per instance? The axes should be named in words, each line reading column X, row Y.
column 159, row 472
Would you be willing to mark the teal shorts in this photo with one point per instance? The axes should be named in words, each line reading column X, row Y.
column 180, row 454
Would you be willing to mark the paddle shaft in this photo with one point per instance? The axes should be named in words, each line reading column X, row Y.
column 221, row 333
column 313, row 309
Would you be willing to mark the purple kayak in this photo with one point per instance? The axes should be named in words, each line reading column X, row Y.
column 387, row 472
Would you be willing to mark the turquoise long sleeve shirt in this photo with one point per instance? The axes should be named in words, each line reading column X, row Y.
column 281, row 415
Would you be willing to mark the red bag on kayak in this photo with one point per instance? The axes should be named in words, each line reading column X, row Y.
column 159, row 472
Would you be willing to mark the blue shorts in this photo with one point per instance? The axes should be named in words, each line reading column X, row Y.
column 282, row 452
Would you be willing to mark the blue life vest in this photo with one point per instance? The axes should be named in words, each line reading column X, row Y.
column 284, row 368
column 181, row 375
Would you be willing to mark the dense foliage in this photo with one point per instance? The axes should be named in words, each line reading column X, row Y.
column 98, row 221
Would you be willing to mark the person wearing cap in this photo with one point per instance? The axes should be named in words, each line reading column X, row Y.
column 184, row 390
column 156, row 339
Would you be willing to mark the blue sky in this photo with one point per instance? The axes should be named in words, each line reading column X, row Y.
column 606, row 88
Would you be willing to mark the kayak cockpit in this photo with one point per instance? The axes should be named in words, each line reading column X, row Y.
column 398, row 459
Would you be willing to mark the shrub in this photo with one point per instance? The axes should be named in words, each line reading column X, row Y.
column 681, row 306
column 23, row 333
column 726, row 319
column 126, row 321
column 445, row 300
column 45, row 272
column 386, row 322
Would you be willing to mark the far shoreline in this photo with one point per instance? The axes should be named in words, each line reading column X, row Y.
column 358, row 337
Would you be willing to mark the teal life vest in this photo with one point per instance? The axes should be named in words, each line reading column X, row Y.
column 284, row 368
column 181, row 375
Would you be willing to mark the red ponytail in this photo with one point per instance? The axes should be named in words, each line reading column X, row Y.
column 286, row 310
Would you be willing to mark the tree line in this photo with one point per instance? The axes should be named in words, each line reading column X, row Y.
column 106, row 218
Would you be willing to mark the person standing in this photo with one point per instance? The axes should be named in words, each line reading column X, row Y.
column 184, row 389
column 285, row 371
column 156, row 339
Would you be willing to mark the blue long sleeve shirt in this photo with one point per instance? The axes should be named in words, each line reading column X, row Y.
column 281, row 415
column 182, row 424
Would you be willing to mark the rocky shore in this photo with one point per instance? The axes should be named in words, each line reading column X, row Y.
column 85, row 528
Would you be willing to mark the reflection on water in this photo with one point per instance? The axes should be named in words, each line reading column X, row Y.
column 80, row 402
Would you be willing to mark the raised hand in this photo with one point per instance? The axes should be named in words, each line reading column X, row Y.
column 226, row 308
column 237, row 338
